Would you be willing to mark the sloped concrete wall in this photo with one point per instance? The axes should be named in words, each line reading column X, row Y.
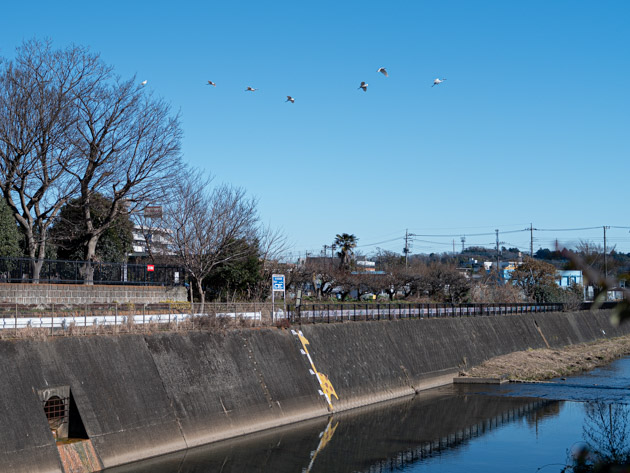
column 224, row 385
column 115, row 385
column 144, row 395
column 374, row 361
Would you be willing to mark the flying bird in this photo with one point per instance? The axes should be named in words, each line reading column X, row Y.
column 290, row 99
column 382, row 71
column 363, row 86
column 212, row 83
column 144, row 82
column 437, row 81
column 250, row 89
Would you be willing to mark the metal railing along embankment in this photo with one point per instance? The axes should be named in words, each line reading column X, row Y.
column 59, row 318
column 330, row 313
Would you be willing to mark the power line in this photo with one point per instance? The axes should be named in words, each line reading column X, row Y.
column 567, row 229
column 378, row 242
column 425, row 241
column 457, row 235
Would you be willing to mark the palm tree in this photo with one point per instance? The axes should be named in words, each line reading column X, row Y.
column 345, row 242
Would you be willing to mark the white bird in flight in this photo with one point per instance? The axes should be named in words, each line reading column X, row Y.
column 437, row 81
column 382, row 71
column 290, row 99
column 250, row 89
column 144, row 82
column 363, row 86
column 212, row 83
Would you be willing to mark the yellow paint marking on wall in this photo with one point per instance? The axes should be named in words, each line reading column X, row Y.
column 327, row 388
column 325, row 437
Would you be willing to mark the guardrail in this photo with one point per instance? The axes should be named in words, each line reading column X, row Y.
column 330, row 313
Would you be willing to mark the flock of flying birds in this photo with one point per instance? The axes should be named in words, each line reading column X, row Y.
column 363, row 85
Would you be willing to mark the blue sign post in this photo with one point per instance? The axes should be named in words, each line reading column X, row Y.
column 277, row 284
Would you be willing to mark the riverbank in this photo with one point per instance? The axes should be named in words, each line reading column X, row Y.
column 542, row 364
column 138, row 395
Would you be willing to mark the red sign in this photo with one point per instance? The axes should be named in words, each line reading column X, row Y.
column 150, row 267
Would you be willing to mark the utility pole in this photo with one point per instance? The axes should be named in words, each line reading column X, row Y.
column 605, row 256
column 453, row 246
column 531, row 240
column 497, row 232
column 406, row 248
column 463, row 239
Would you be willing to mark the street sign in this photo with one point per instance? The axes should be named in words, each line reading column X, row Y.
column 277, row 282
column 150, row 267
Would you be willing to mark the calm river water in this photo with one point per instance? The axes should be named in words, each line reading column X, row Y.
column 471, row 428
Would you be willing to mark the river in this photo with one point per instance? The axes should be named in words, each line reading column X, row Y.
column 472, row 428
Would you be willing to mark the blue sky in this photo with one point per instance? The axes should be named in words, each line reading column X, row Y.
column 531, row 125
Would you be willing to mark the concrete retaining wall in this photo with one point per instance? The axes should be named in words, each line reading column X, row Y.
column 82, row 294
column 143, row 395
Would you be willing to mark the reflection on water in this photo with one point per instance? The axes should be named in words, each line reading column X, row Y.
column 454, row 428
column 375, row 438
column 326, row 436
column 606, row 432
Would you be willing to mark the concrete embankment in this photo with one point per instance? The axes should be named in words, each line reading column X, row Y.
column 130, row 397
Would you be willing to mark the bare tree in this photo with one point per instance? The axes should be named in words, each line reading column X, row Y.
column 208, row 224
column 272, row 244
column 399, row 277
column 130, row 152
column 489, row 292
column 320, row 272
column 443, row 283
column 607, row 430
column 156, row 237
column 37, row 119
column 70, row 128
column 537, row 280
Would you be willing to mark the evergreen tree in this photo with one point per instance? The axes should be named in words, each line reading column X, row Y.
column 236, row 278
column 9, row 234
column 69, row 233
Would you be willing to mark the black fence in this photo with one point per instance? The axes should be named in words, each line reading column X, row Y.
column 20, row 270
column 329, row 313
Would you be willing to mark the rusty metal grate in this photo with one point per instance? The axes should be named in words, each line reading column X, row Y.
column 56, row 409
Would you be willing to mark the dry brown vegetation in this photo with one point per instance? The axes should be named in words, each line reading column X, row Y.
column 542, row 364
column 198, row 323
